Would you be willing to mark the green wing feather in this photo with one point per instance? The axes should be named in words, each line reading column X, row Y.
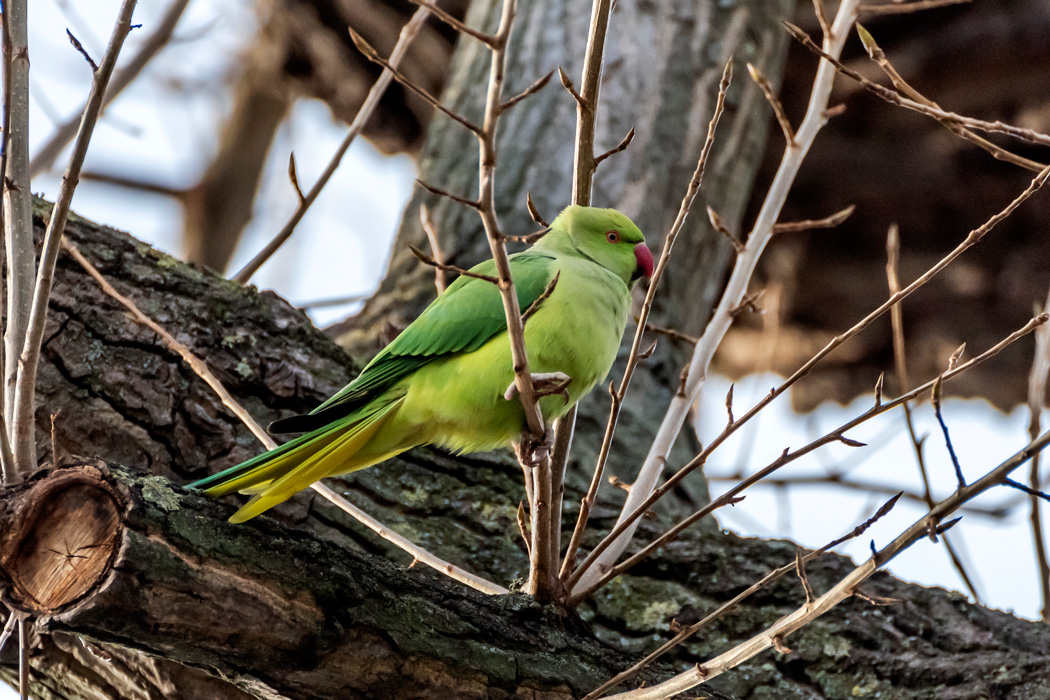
column 462, row 319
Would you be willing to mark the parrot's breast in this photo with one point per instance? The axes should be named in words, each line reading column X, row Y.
column 457, row 401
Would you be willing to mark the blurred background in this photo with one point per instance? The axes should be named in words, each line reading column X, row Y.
column 193, row 158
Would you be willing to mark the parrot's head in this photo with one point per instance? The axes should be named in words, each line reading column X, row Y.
column 605, row 236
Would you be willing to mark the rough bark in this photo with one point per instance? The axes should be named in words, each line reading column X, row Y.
column 126, row 398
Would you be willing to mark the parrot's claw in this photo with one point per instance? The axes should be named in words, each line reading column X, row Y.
column 531, row 454
column 545, row 384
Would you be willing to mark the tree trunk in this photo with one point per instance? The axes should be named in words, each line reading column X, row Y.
column 134, row 623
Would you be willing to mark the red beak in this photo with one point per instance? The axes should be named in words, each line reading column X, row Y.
column 645, row 260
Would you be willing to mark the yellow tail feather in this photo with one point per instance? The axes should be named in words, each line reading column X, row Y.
column 333, row 457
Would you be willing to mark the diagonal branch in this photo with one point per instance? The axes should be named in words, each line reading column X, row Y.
column 368, row 107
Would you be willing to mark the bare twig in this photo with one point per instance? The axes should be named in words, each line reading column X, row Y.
column 451, row 21
column 471, row 203
column 618, row 148
column 23, row 659
column 427, row 260
column 82, row 51
column 372, row 55
column 722, row 318
column 368, row 107
column 534, row 213
column 534, row 306
column 1037, row 382
column 24, row 441
column 635, row 506
column 935, row 399
column 293, row 176
column 147, row 49
column 643, row 316
column 827, row 222
column 897, row 8
column 335, row 301
column 425, row 220
column 900, row 359
column 877, row 55
column 17, row 204
column 896, row 98
column 527, row 92
column 718, row 225
column 9, row 626
column 774, row 102
column 201, row 369
column 846, row 588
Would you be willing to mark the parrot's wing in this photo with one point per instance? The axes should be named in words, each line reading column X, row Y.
column 461, row 319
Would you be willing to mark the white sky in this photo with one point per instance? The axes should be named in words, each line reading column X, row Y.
column 162, row 131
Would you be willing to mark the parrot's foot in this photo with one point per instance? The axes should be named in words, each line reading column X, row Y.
column 546, row 384
column 531, row 453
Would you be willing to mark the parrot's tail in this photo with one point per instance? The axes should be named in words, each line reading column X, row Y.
column 276, row 475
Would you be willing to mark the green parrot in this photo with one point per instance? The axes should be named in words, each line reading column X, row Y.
column 442, row 380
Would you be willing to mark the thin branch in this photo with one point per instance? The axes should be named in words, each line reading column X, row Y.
column 534, row 213
column 24, row 441
column 527, row 92
column 82, row 51
column 17, row 204
column 838, row 480
column 584, row 162
column 774, row 102
column 567, row 83
column 9, row 627
column 336, row 301
column 636, row 344
column 900, row 360
column 732, row 604
column 535, row 305
column 368, row 107
column 877, row 55
column 372, row 55
column 936, row 401
column 897, row 99
column 425, row 220
column 470, row 203
column 459, row 26
column 736, row 288
column 618, row 148
column 147, row 49
column 427, row 260
column 718, row 225
column 897, row 8
column 293, row 177
column 846, row 588
column 580, row 593
column 1037, row 383
column 200, row 368
column 808, row 224
column 23, row 659
column 670, row 333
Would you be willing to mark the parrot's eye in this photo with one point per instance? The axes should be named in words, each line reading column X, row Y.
column 612, row 236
